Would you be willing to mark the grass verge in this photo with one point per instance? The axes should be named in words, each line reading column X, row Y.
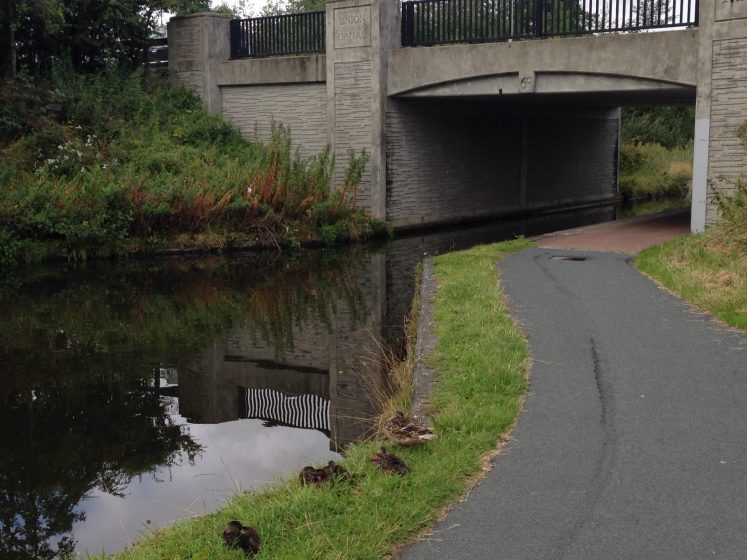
column 481, row 358
column 714, row 280
column 709, row 269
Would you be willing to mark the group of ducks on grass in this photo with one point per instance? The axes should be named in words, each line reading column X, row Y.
column 400, row 429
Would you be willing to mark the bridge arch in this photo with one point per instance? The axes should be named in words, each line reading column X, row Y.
column 579, row 65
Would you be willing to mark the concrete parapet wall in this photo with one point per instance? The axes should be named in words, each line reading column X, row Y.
column 186, row 62
column 284, row 70
column 300, row 107
column 630, row 62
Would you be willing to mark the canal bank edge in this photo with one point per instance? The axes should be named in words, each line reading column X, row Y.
column 423, row 376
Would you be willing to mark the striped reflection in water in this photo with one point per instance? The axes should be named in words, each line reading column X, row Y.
column 298, row 411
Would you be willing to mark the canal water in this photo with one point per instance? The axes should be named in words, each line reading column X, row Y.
column 134, row 394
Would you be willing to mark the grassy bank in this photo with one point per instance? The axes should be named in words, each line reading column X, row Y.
column 481, row 359
column 110, row 163
column 650, row 169
column 709, row 269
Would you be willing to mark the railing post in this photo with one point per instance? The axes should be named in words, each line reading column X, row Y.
column 539, row 6
column 235, row 38
column 408, row 24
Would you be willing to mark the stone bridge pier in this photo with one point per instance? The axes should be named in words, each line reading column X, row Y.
column 464, row 132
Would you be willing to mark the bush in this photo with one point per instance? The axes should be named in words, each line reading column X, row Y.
column 653, row 170
column 120, row 160
column 731, row 230
column 671, row 127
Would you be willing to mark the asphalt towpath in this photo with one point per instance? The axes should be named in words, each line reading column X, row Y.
column 633, row 440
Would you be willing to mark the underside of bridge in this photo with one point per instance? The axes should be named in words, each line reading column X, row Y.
column 456, row 159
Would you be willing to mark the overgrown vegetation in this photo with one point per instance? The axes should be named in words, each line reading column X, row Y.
column 710, row 269
column 481, row 358
column 656, row 151
column 111, row 162
column 653, row 170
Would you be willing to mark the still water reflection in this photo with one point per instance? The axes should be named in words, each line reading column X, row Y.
column 135, row 394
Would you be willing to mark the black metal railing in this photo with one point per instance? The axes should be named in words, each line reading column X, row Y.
column 278, row 35
column 158, row 53
column 432, row 22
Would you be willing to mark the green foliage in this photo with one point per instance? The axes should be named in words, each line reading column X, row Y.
column 89, row 34
column 110, row 160
column 672, row 127
column 280, row 7
column 731, row 230
column 653, row 170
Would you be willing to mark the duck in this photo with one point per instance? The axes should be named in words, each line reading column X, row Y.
column 406, row 430
column 238, row 535
column 328, row 473
column 389, row 463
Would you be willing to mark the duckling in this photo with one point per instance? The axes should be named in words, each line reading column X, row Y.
column 237, row 535
column 328, row 473
column 390, row 464
column 406, row 430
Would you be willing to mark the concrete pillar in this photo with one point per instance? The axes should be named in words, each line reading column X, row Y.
column 721, row 105
column 702, row 117
column 359, row 36
column 197, row 43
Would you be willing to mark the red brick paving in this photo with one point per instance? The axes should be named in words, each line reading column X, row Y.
column 625, row 236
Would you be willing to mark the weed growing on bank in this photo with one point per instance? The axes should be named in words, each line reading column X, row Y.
column 112, row 163
column 481, row 358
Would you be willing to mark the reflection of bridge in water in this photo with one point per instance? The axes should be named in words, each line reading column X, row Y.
column 297, row 411
column 330, row 378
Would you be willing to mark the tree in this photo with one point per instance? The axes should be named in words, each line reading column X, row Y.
column 89, row 34
column 7, row 41
column 280, row 7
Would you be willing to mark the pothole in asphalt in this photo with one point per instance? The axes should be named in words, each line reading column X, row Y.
column 567, row 258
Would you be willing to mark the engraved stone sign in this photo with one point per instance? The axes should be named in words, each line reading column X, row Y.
column 352, row 27
column 526, row 82
column 731, row 9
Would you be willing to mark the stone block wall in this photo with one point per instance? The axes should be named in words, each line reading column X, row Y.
column 573, row 157
column 451, row 161
column 300, row 107
column 727, row 154
column 186, row 61
column 353, row 122
column 448, row 167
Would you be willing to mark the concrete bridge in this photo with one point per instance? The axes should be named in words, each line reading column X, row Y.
column 466, row 131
